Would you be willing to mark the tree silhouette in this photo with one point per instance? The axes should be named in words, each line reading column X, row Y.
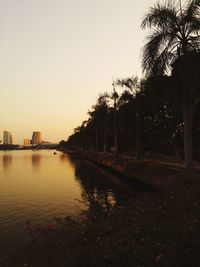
column 174, row 33
column 133, row 85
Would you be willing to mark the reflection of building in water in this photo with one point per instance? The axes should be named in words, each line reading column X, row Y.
column 7, row 138
column 36, row 138
column 36, row 161
column 7, row 161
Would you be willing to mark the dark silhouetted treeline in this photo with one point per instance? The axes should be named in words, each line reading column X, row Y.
column 161, row 113
column 9, row 147
column 159, row 102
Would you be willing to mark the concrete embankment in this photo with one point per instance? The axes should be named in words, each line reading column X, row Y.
column 155, row 174
column 140, row 173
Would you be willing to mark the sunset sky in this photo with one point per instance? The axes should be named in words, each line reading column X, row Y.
column 57, row 55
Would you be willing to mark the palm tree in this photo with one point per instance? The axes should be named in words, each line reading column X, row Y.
column 98, row 118
column 175, row 33
column 114, row 96
column 103, row 107
column 133, row 85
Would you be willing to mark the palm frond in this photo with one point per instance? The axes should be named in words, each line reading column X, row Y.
column 162, row 63
column 192, row 8
column 195, row 39
column 131, row 83
column 194, row 43
column 157, row 42
column 191, row 18
column 128, row 82
column 120, row 82
column 193, row 24
column 114, row 96
column 175, row 31
column 160, row 16
column 103, row 98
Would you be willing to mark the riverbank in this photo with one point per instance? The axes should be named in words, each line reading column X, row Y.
column 157, row 173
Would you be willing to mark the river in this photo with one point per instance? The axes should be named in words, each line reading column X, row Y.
column 39, row 185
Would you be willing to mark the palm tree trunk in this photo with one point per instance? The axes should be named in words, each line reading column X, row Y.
column 188, row 118
column 93, row 142
column 105, row 140
column 138, row 147
column 96, row 141
column 115, row 131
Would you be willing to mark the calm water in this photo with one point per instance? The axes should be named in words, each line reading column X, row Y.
column 38, row 185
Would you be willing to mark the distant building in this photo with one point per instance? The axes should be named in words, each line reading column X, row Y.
column 36, row 138
column 7, row 138
column 27, row 142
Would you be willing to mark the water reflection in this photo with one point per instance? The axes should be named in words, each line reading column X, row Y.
column 61, row 180
column 36, row 161
column 99, row 193
column 7, row 161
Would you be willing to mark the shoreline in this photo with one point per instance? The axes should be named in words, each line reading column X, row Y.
column 151, row 174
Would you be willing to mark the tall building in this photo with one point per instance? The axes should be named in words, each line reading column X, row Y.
column 7, row 138
column 36, row 138
column 27, row 142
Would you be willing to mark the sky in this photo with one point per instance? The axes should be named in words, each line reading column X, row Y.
column 56, row 56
